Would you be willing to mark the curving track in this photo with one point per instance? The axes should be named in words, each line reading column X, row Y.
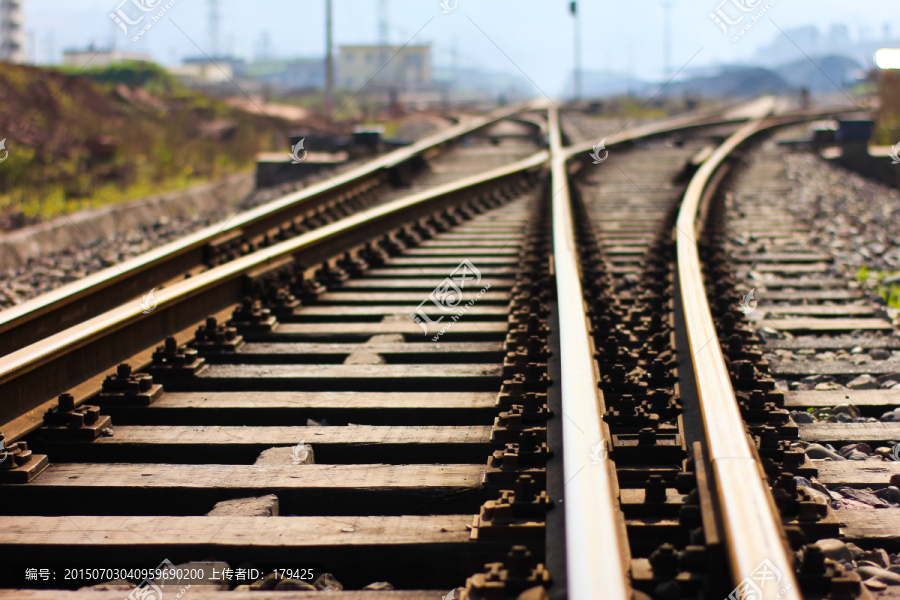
column 521, row 383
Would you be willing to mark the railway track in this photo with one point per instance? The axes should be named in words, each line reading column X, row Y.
column 829, row 345
column 474, row 145
column 513, row 384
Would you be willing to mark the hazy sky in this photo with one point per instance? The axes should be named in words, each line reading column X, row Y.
column 533, row 37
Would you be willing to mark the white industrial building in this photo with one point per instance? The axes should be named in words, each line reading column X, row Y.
column 12, row 33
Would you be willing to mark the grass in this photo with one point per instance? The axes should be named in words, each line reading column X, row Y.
column 873, row 279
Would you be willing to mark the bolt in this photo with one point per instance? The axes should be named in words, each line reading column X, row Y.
column 664, row 560
column 518, row 562
column 655, row 491
column 647, row 436
column 66, row 403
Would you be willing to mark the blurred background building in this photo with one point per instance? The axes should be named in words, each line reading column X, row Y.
column 98, row 58
column 12, row 33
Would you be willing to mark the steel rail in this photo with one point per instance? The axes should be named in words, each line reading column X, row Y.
column 27, row 385
column 751, row 522
column 675, row 124
column 693, row 121
column 31, row 377
column 78, row 301
column 597, row 556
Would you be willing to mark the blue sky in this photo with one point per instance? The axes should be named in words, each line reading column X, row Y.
column 531, row 37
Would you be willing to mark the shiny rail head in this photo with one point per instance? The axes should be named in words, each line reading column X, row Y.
column 752, row 525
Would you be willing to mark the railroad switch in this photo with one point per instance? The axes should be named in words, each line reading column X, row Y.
column 172, row 362
column 213, row 338
column 251, row 317
column 129, row 388
column 520, row 576
column 19, row 464
column 68, row 422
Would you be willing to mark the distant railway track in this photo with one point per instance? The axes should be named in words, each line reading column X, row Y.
column 517, row 369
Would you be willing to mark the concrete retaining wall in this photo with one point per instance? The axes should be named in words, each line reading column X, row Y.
column 874, row 162
column 82, row 228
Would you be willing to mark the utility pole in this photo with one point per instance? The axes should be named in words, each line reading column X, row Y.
column 667, row 39
column 383, row 33
column 329, row 62
column 573, row 7
column 455, row 54
column 214, row 27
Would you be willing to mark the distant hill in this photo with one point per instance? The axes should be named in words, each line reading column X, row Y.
column 821, row 76
column 596, row 85
column 751, row 81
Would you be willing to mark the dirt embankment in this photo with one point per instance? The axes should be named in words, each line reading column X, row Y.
column 87, row 140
